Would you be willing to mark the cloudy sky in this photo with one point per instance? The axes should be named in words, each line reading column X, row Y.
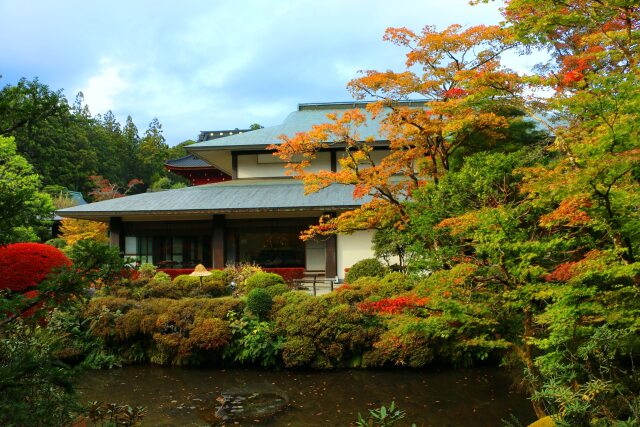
column 212, row 64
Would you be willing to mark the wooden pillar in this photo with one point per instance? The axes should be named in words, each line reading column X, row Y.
column 331, row 254
column 116, row 233
column 234, row 165
column 217, row 242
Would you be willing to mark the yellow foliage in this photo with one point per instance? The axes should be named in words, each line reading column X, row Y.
column 74, row 230
column 543, row 422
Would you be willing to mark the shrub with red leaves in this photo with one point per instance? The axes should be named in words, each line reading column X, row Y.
column 24, row 265
column 288, row 274
column 394, row 305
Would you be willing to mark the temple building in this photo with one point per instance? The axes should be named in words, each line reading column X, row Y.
column 196, row 170
column 253, row 213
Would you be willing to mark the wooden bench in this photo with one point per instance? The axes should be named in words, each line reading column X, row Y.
column 313, row 281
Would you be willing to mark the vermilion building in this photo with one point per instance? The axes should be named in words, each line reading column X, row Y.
column 197, row 171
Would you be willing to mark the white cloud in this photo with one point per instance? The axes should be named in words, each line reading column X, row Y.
column 101, row 90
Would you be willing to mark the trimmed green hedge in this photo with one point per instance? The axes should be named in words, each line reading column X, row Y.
column 369, row 267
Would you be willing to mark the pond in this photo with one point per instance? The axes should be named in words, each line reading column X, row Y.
column 191, row 396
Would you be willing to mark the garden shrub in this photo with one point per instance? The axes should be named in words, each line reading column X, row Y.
column 147, row 270
column 406, row 342
column 209, row 288
column 57, row 243
column 209, row 334
column 212, row 286
column 369, row 267
column 24, row 265
column 394, row 284
column 298, row 352
column 37, row 389
column 303, row 317
column 288, row 274
column 99, row 260
column 262, row 280
column 259, row 302
column 291, row 297
column 278, row 289
column 161, row 277
column 239, row 273
column 175, row 272
column 218, row 275
column 121, row 292
column 162, row 330
column 186, row 281
column 254, row 341
column 362, row 289
column 339, row 333
column 161, row 290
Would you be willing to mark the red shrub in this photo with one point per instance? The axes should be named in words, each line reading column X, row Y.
column 130, row 273
column 288, row 274
column 393, row 305
column 25, row 265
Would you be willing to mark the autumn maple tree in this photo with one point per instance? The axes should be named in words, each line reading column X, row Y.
column 74, row 230
column 469, row 101
column 563, row 248
column 538, row 242
column 103, row 189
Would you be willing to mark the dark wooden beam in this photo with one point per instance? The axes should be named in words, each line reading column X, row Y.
column 331, row 254
column 334, row 161
column 116, row 233
column 217, row 241
column 234, row 165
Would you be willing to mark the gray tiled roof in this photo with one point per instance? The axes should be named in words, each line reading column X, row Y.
column 189, row 161
column 228, row 196
column 301, row 120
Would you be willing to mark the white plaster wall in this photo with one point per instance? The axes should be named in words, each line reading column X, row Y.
column 352, row 248
column 248, row 166
column 315, row 252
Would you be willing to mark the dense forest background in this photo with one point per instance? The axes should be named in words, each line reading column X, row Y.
column 66, row 144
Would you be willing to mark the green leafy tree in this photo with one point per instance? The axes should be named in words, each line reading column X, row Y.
column 47, row 133
column 23, row 209
column 26, row 104
column 153, row 152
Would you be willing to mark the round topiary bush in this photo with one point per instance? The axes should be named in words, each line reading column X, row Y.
column 209, row 288
column 161, row 290
column 369, row 267
column 161, row 277
column 259, row 302
column 185, row 281
column 24, row 265
column 278, row 289
column 262, row 280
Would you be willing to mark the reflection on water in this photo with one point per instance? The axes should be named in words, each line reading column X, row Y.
column 187, row 396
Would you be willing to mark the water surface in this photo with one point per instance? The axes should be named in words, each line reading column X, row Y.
column 187, row 396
